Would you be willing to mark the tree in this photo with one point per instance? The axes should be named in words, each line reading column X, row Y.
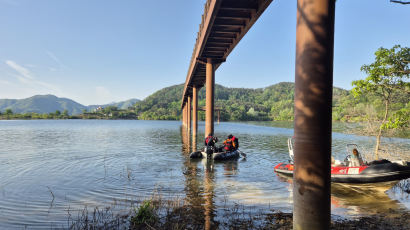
column 9, row 112
column 65, row 113
column 387, row 75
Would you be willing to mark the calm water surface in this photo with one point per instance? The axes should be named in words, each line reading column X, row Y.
column 51, row 169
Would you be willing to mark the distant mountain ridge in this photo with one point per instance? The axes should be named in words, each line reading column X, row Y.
column 119, row 105
column 50, row 103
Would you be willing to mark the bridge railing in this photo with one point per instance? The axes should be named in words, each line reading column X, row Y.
column 199, row 34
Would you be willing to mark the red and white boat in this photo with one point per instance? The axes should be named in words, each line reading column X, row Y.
column 343, row 172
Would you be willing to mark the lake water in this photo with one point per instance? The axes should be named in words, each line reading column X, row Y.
column 50, row 169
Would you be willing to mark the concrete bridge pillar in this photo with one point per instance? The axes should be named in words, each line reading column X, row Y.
column 313, row 113
column 188, row 106
column 194, row 110
column 184, row 116
column 210, row 85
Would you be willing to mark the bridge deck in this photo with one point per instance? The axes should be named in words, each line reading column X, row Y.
column 223, row 25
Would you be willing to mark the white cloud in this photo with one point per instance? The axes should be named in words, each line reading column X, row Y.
column 56, row 60
column 29, row 83
column 20, row 69
column 22, row 79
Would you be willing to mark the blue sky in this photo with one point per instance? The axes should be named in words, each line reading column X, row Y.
column 97, row 52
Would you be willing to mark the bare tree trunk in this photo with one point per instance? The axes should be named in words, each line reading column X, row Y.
column 376, row 153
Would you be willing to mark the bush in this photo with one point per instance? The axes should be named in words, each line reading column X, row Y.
column 144, row 215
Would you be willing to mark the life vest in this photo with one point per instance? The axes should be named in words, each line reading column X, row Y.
column 228, row 144
column 208, row 139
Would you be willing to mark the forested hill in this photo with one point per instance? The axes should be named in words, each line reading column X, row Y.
column 41, row 104
column 237, row 104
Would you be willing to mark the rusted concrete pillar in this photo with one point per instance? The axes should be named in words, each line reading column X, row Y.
column 188, row 106
column 313, row 113
column 210, row 84
column 194, row 110
column 184, row 116
column 193, row 143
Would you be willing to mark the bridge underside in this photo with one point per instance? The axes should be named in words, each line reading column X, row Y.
column 224, row 23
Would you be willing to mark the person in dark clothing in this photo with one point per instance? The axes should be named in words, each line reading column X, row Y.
column 210, row 140
column 210, row 143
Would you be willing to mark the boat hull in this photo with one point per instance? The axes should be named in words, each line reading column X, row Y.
column 363, row 174
column 226, row 156
column 219, row 156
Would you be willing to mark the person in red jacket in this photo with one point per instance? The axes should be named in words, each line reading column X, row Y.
column 210, row 140
column 210, row 143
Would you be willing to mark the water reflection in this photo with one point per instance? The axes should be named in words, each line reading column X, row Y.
column 103, row 163
column 230, row 168
column 209, row 194
column 357, row 199
column 367, row 198
column 199, row 195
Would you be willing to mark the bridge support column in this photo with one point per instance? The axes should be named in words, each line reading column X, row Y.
column 210, row 85
column 313, row 113
column 188, row 106
column 184, row 116
column 194, row 110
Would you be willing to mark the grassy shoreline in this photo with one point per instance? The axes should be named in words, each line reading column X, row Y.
column 156, row 213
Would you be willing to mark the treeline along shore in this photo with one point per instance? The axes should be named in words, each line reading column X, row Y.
column 273, row 103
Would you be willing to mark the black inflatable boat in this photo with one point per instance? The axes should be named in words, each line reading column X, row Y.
column 217, row 156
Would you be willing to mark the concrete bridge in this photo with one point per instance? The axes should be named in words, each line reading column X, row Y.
column 223, row 25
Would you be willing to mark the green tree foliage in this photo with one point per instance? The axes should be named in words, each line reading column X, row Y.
column 236, row 104
column 110, row 112
column 387, row 79
column 164, row 104
column 65, row 113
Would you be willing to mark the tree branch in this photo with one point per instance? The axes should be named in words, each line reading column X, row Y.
column 400, row 2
